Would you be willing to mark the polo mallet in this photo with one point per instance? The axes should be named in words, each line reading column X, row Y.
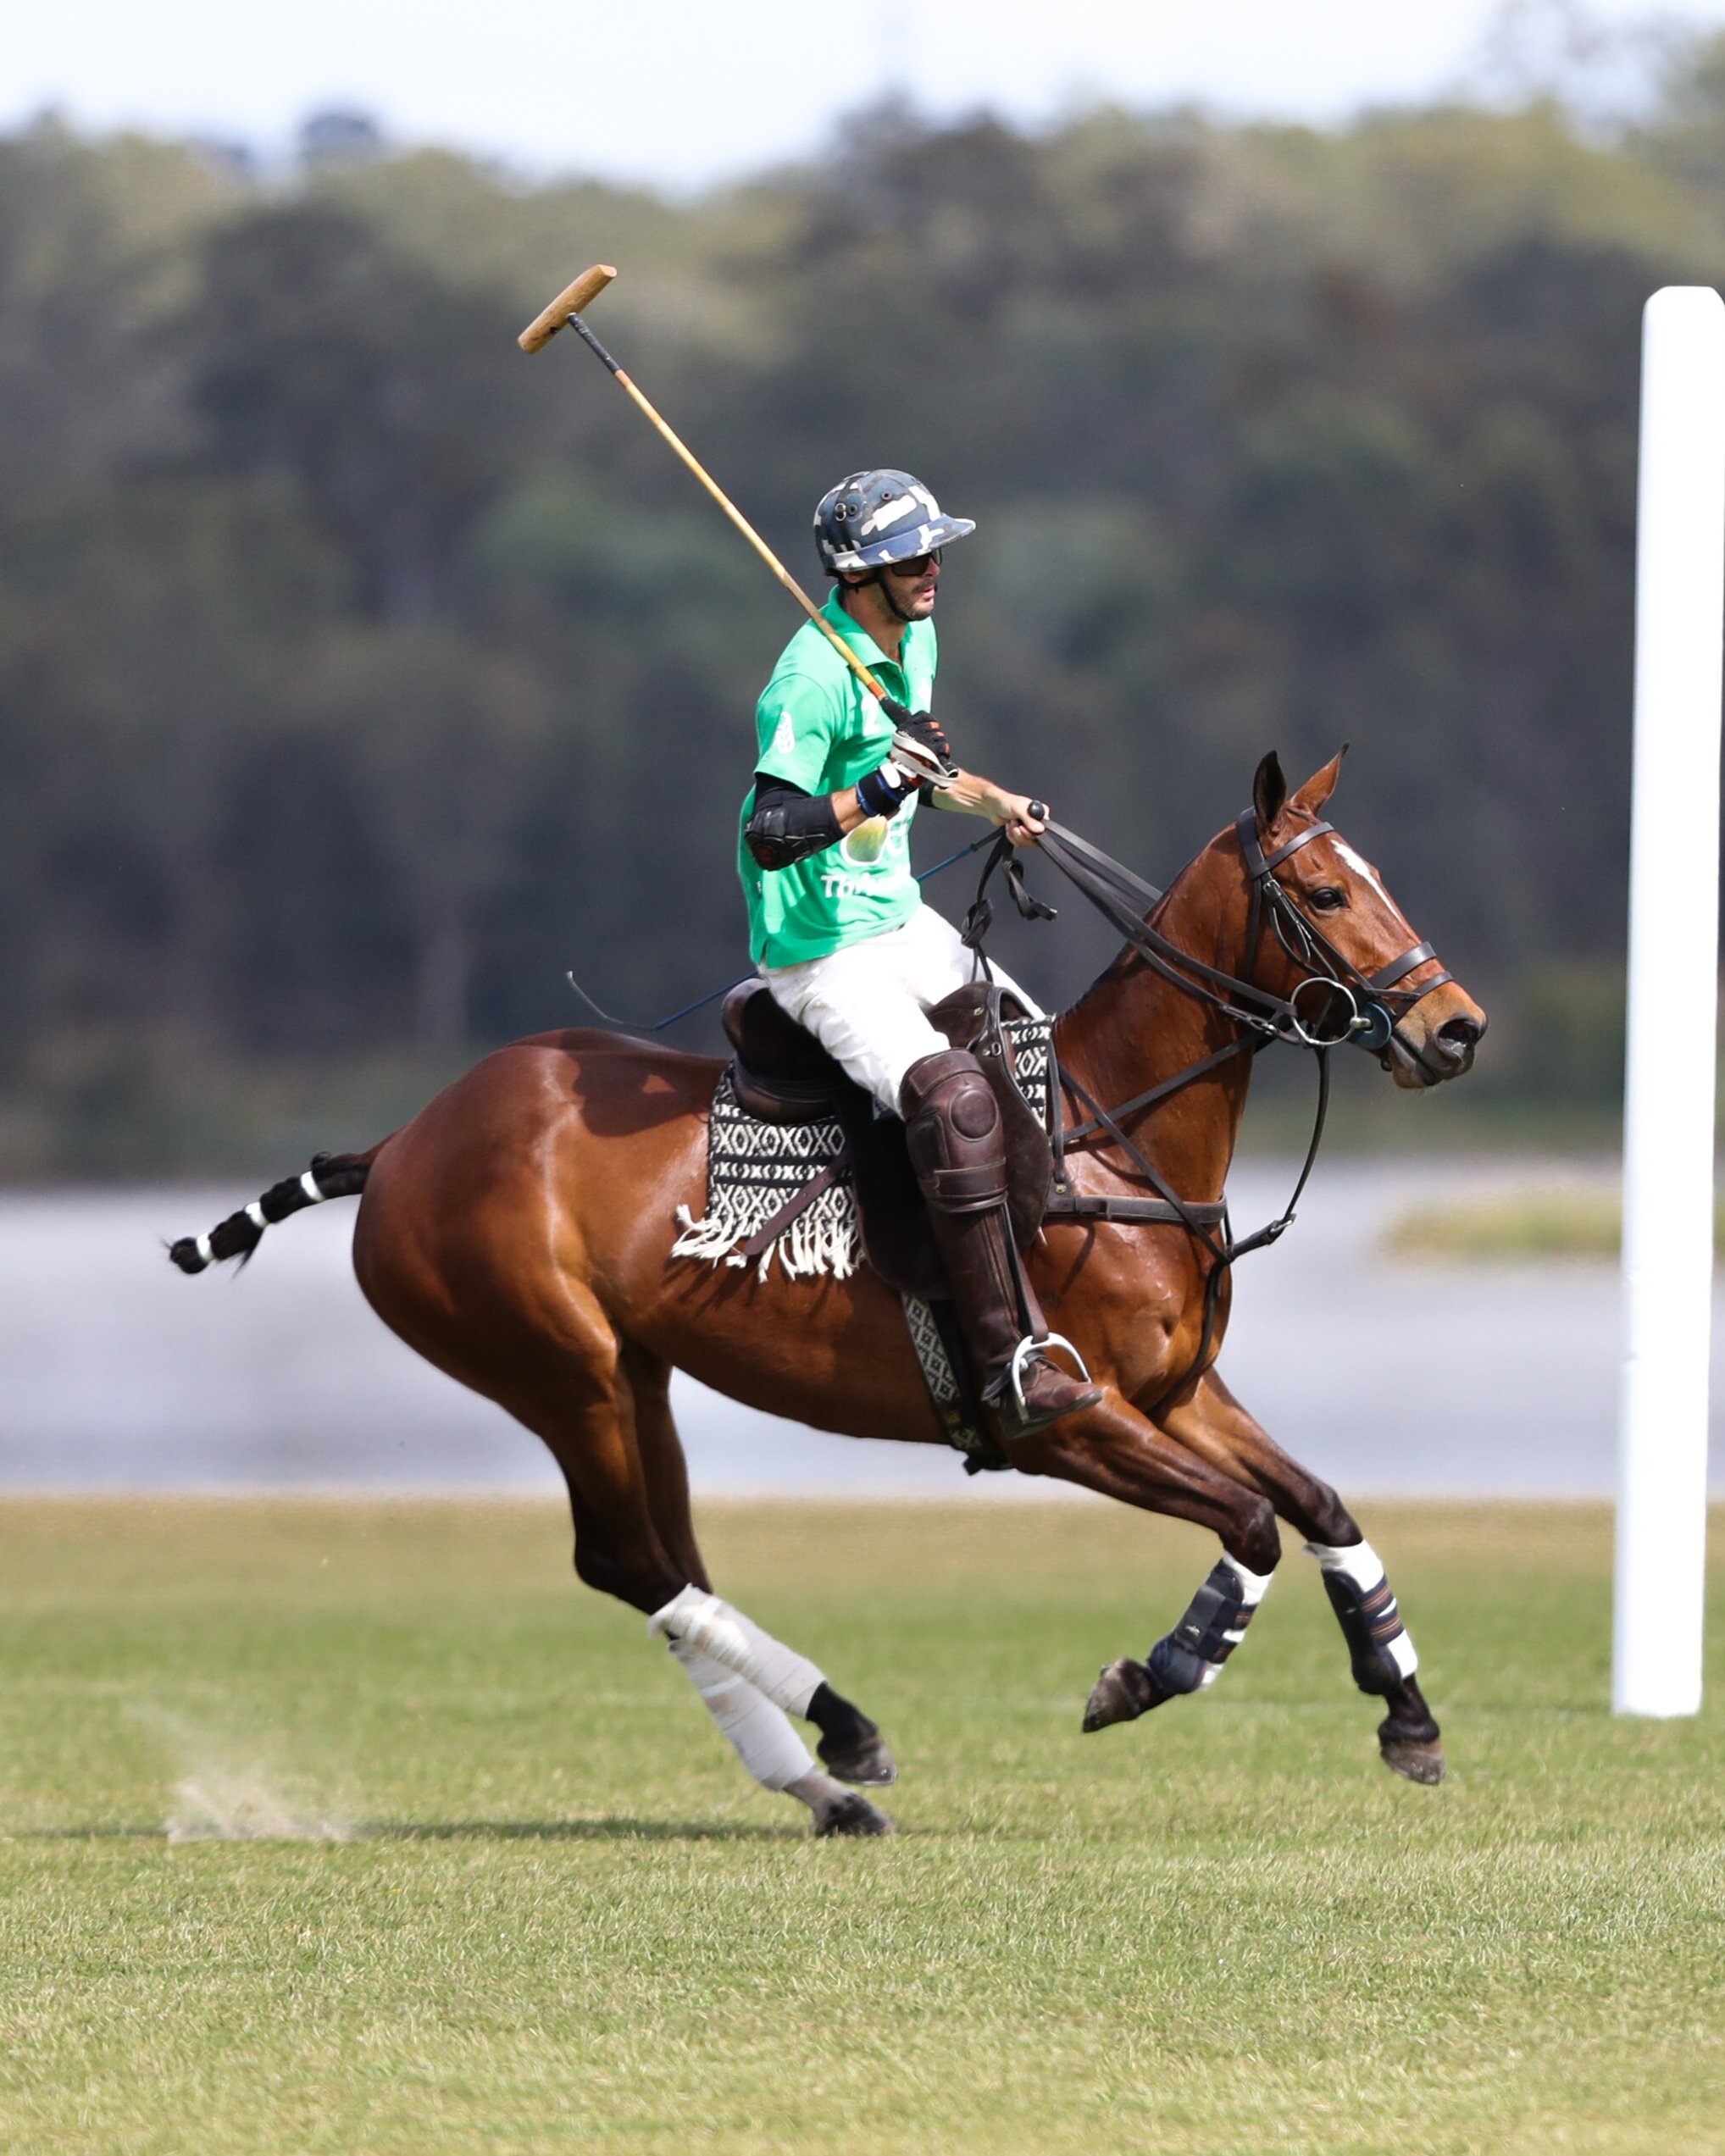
column 915, row 755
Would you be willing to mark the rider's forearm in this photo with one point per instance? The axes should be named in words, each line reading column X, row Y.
column 974, row 796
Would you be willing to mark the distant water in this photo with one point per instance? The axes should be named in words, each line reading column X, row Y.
column 116, row 1373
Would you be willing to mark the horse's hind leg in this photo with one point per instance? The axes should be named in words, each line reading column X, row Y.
column 1215, row 1426
column 756, row 1726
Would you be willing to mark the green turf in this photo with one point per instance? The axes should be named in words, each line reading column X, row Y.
column 565, row 1920
column 1563, row 1220
column 1512, row 1228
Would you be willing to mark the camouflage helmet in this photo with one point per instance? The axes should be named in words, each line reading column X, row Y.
column 873, row 518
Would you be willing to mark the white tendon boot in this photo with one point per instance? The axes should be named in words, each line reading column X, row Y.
column 761, row 1736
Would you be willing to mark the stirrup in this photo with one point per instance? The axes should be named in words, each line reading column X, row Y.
column 1007, row 1396
column 1029, row 1346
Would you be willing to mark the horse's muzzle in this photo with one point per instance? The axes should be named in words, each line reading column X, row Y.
column 1446, row 1051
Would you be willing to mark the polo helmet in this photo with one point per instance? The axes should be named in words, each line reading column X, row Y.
column 873, row 518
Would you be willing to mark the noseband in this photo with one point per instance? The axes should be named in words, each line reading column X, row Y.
column 1376, row 1006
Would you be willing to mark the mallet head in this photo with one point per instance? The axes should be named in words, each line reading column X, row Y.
column 570, row 300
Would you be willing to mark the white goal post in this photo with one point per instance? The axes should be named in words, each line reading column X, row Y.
column 1673, row 971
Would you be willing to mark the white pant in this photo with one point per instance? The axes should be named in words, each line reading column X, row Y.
column 865, row 1003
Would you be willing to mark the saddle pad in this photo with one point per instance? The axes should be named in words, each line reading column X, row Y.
column 940, row 1351
column 755, row 1170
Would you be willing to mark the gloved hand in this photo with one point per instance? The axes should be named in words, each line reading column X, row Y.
column 920, row 748
column 884, row 790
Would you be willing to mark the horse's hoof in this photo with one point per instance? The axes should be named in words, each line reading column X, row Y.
column 1419, row 1762
column 1122, row 1693
column 863, row 1760
column 853, row 1816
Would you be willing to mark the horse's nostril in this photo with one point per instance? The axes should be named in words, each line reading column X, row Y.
column 1460, row 1033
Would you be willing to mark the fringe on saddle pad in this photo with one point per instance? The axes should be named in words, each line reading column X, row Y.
column 756, row 1170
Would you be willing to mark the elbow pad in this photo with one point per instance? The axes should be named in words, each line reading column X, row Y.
column 790, row 827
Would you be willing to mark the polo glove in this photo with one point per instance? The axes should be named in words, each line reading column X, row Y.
column 920, row 748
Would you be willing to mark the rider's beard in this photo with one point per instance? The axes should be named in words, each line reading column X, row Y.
column 890, row 589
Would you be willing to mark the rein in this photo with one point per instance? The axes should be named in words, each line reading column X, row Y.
column 1375, row 1004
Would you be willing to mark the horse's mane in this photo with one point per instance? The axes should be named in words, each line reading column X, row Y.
column 1128, row 960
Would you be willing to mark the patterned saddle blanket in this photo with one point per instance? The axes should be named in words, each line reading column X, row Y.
column 779, row 1190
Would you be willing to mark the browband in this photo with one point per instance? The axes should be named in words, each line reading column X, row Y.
column 1258, row 861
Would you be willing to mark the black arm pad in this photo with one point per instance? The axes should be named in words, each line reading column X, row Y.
column 788, row 825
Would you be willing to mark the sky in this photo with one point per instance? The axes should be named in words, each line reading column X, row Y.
column 683, row 92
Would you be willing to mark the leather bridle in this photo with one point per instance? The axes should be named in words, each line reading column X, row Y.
column 1375, row 1004
column 1385, row 1003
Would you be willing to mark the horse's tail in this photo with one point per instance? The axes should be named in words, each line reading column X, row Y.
column 330, row 1175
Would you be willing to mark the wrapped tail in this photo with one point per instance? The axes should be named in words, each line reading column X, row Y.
column 330, row 1175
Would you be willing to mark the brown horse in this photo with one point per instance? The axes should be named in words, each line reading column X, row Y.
column 517, row 1234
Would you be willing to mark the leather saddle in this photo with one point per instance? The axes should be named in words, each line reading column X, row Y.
column 781, row 1073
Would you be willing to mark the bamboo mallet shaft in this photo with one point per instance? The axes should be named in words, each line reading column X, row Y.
column 566, row 307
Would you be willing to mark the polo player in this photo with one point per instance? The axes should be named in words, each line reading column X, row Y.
column 837, row 926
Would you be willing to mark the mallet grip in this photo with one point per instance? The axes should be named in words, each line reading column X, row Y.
column 570, row 300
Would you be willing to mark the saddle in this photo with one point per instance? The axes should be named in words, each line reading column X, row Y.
column 782, row 1074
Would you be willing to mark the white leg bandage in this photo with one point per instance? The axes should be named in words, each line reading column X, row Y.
column 1359, row 1562
column 758, row 1730
column 1371, row 1608
column 738, row 1645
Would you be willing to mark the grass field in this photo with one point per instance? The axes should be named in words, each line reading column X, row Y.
column 548, row 1913
column 1515, row 1228
column 1581, row 1220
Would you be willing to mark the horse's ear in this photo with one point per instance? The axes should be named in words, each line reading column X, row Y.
column 1317, row 789
column 1269, row 792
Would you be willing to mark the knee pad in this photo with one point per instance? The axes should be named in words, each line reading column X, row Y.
column 952, row 1128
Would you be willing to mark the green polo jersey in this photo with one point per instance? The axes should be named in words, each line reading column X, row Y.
column 820, row 728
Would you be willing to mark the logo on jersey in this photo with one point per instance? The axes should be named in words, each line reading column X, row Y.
column 784, row 739
column 862, row 847
column 876, row 845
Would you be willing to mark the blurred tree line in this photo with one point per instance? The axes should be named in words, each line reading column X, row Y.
column 357, row 674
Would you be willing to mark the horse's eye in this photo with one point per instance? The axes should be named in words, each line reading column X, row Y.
column 1328, row 898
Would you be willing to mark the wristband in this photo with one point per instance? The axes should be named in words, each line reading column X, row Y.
column 881, row 792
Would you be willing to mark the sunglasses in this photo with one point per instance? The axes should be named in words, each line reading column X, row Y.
column 915, row 566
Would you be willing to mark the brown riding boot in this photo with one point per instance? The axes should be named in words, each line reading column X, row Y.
column 952, row 1122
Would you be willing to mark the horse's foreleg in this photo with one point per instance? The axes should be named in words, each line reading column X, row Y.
column 1120, row 1453
column 1383, row 1657
column 1214, row 1425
